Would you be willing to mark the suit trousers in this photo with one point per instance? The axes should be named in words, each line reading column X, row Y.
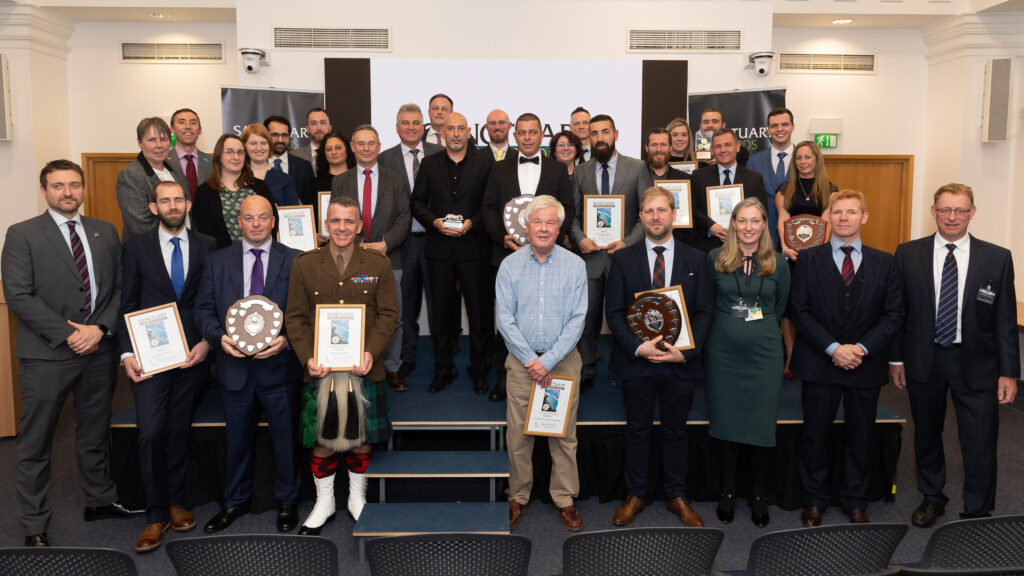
column 45, row 385
column 820, row 405
column 415, row 284
column 392, row 356
column 474, row 278
column 565, row 478
column 163, row 416
column 587, row 345
column 673, row 398
column 977, row 418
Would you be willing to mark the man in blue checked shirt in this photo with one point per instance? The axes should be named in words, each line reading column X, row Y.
column 542, row 303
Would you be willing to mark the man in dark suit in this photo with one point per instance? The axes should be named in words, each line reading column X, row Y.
column 524, row 172
column 383, row 198
column 452, row 184
column 659, row 148
column 186, row 157
column 846, row 305
column 649, row 375
column 318, row 125
column 498, row 128
column 299, row 169
column 62, row 279
column 712, row 120
column 270, row 380
column 960, row 335
column 706, row 234
column 608, row 172
column 773, row 163
column 162, row 266
column 579, row 123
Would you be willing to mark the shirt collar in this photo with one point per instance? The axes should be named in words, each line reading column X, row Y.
column 348, row 252
column 731, row 169
column 165, row 237
column 650, row 245
column 961, row 244
column 60, row 219
column 181, row 155
column 837, row 244
column 373, row 169
column 788, row 151
column 405, row 149
column 265, row 246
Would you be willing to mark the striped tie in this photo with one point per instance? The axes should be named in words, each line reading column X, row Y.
column 658, row 280
column 78, row 253
column 945, row 319
column 847, row 270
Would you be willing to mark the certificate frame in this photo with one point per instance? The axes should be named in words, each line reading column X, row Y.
column 542, row 421
column 676, row 294
column 296, row 228
column 687, row 167
column 723, row 198
column 604, row 218
column 346, row 322
column 158, row 338
column 323, row 199
column 680, row 189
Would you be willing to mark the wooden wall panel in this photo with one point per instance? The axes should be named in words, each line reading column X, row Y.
column 101, row 170
column 887, row 183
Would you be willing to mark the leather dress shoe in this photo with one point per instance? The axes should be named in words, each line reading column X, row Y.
column 181, row 519
column 287, row 517
column 115, row 509
column 480, row 385
column 681, row 507
column 152, row 537
column 498, row 393
column 226, row 517
column 36, row 540
column 406, row 368
column 857, row 516
column 515, row 512
column 438, row 383
column 628, row 511
column 726, row 508
column 759, row 512
column 570, row 518
column 926, row 514
column 811, row 516
column 396, row 382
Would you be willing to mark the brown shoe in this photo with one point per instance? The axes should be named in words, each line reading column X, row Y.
column 628, row 511
column 687, row 514
column 151, row 537
column 396, row 382
column 515, row 512
column 811, row 516
column 858, row 516
column 570, row 518
column 181, row 519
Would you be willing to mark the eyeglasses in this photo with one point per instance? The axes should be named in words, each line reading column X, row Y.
column 230, row 152
column 957, row 211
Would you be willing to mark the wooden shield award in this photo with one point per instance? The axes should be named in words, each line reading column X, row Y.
column 804, row 231
column 253, row 323
column 653, row 315
column 514, row 217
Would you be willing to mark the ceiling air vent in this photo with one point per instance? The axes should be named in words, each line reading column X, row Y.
column 684, row 40
column 186, row 53
column 334, row 38
column 827, row 63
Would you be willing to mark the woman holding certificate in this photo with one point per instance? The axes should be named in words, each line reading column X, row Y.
column 743, row 355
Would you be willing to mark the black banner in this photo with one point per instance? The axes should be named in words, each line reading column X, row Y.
column 243, row 106
column 745, row 112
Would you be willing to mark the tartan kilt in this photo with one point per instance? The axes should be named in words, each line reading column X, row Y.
column 377, row 414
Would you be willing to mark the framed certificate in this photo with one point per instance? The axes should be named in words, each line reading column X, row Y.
column 680, row 189
column 721, row 201
column 687, row 167
column 339, row 336
column 157, row 338
column 685, row 339
column 295, row 227
column 323, row 200
column 604, row 218
column 548, row 412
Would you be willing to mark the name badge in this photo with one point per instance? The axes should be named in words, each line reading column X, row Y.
column 754, row 314
column 740, row 311
column 987, row 295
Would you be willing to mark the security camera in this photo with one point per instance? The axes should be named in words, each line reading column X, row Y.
column 761, row 62
column 251, row 58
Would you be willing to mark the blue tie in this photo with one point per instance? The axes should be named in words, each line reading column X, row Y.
column 605, row 184
column 945, row 318
column 277, row 164
column 177, row 268
column 725, row 179
column 780, row 170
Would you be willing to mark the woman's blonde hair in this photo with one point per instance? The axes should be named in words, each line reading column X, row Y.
column 731, row 257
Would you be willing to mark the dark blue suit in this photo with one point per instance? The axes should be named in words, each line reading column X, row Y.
column 645, row 384
column 301, row 172
column 247, row 383
column 163, row 403
column 761, row 162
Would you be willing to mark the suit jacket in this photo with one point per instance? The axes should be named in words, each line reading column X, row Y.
column 391, row 216
column 221, row 286
column 316, row 280
column 393, row 160
column 282, row 188
column 990, row 347
column 300, row 170
column 204, row 166
column 671, row 174
column 631, row 180
column 146, row 282
column 815, row 310
column 700, row 181
column 134, row 188
column 761, row 162
column 433, row 198
column 630, row 273
column 44, row 289
column 304, row 152
column 503, row 185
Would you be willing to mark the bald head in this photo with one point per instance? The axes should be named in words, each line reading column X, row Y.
column 497, row 128
column 256, row 219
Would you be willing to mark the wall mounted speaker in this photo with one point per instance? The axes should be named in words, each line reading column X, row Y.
column 995, row 120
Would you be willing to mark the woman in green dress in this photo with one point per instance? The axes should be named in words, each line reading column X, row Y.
column 743, row 355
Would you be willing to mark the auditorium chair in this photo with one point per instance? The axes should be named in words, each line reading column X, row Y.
column 975, row 546
column 66, row 562
column 449, row 555
column 254, row 555
column 642, row 552
column 841, row 550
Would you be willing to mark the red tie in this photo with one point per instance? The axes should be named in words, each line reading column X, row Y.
column 78, row 253
column 367, row 203
column 193, row 178
column 847, row 270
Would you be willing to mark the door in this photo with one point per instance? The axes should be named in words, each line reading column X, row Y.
column 101, row 170
column 887, row 183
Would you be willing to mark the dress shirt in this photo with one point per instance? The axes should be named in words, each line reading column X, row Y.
column 62, row 224
column 167, row 248
column 962, row 253
column 361, row 181
column 541, row 305
column 494, row 151
column 788, row 159
column 585, row 156
column 433, row 134
column 407, row 157
column 732, row 173
column 284, row 162
column 668, row 254
column 312, row 156
column 598, row 170
column 249, row 259
column 165, row 175
column 838, row 256
column 529, row 175
column 184, row 163
column 455, row 172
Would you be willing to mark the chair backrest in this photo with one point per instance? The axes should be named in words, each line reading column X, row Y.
column 66, row 562
column 449, row 555
column 842, row 550
column 642, row 551
column 254, row 555
column 977, row 543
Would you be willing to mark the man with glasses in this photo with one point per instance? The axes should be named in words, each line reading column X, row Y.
column 497, row 131
column 299, row 169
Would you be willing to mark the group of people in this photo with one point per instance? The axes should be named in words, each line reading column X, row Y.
column 425, row 216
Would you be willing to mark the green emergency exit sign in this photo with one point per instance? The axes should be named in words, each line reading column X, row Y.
column 826, row 140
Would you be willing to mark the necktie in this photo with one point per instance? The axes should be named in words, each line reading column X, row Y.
column 605, row 184
column 945, row 319
column 438, row 136
column 191, row 175
column 415, row 162
column 534, row 160
column 658, row 279
column 726, row 180
column 78, row 253
column 847, row 271
column 277, row 164
column 499, row 155
column 256, row 279
column 177, row 268
column 780, row 170
column 367, row 203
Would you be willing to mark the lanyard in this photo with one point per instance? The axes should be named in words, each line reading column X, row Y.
column 757, row 300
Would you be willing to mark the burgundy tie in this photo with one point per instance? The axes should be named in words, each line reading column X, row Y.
column 78, row 253
column 190, row 174
column 658, row 280
column 367, row 203
column 847, row 271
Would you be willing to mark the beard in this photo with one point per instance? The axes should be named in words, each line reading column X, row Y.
column 171, row 221
column 658, row 161
column 280, row 148
column 603, row 152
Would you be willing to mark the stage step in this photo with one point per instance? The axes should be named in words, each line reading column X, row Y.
column 396, row 519
column 438, row 464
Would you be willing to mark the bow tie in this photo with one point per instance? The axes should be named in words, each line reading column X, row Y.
column 535, row 160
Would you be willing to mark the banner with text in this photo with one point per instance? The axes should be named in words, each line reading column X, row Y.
column 243, row 106
column 745, row 112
